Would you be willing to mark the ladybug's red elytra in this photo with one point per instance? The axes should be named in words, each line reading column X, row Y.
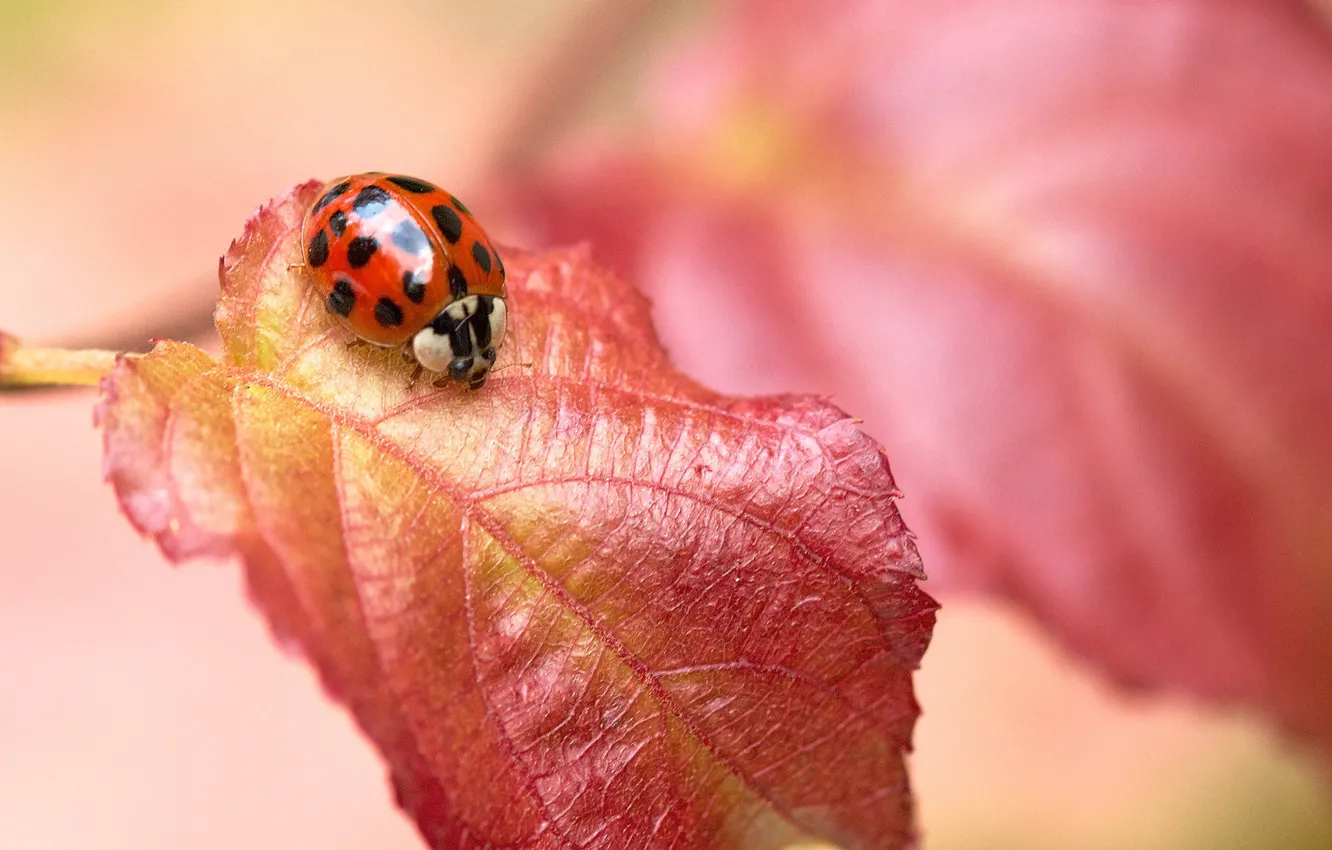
column 403, row 264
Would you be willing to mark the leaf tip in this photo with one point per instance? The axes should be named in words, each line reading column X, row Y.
column 287, row 208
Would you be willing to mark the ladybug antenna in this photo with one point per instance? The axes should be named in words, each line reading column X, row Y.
column 515, row 345
column 526, row 365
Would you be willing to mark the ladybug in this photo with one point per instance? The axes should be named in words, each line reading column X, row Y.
column 403, row 264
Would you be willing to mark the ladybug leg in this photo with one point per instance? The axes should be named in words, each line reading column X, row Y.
column 417, row 368
column 356, row 342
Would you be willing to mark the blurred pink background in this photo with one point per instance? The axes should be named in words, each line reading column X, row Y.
column 145, row 707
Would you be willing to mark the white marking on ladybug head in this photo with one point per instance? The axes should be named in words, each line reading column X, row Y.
column 462, row 309
column 499, row 322
column 433, row 350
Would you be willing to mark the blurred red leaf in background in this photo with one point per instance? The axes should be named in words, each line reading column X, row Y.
column 593, row 605
column 1071, row 258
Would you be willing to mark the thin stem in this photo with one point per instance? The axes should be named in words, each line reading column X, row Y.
column 24, row 366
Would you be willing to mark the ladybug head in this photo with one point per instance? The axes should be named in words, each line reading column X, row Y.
column 462, row 340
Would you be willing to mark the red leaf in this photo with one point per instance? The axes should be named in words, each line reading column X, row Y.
column 1072, row 256
column 591, row 605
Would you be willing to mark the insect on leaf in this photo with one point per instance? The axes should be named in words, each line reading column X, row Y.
column 590, row 605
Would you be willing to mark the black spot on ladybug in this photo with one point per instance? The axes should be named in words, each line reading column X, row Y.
column 481, row 321
column 317, row 252
column 337, row 223
column 482, row 256
column 413, row 287
column 411, row 184
column 388, row 313
column 360, row 250
column 498, row 263
column 370, row 202
column 409, row 236
column 457, row 283
column 342, row 299
column 449, row 223
column 459, row 204
column 331, row 195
